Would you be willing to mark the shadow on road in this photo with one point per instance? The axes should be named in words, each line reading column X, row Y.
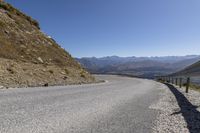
column 188, row 111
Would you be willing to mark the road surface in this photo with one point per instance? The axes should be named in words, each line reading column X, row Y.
column 120, row 105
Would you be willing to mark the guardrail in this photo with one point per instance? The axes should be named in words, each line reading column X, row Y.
column 178, row 81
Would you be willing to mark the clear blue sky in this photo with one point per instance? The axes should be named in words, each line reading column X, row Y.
column 119, row 27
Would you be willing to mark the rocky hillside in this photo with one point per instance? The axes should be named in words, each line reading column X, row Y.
column 28, row 57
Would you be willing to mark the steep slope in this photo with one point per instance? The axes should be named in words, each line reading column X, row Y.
column 180, row 65
column 28, row 57
column 193, row 70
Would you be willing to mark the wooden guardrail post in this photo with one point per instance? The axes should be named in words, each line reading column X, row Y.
column 187, row 85
column 180, row 82
column 176, row 81
column 172, row 80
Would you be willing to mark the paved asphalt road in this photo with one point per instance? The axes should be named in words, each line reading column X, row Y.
column 121, row 105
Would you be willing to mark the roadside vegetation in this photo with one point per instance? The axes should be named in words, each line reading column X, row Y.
column 192, row 86
column 195, row 87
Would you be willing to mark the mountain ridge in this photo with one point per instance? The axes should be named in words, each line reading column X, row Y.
column 138, row 66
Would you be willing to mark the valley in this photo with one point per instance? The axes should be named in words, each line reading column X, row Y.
column 145, row 67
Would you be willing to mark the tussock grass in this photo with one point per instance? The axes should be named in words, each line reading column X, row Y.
column 38, row 59
column 15, row 11
column 195, row 87
column 2, row 24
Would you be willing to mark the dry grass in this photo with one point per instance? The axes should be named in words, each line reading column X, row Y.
column 195, row 87
column 15, row 11
column 23, row 74
column 21, row 41
column 2, row 24
column 38, row 59
column 66, row 71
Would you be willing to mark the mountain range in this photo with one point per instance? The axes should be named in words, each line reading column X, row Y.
column 146, row 67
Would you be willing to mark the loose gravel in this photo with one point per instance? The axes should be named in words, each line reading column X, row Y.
column 178, row 112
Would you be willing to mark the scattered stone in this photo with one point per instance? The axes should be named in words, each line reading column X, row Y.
column 2, row 87
column 23, row 46
column 40, row 59
column 63, row 73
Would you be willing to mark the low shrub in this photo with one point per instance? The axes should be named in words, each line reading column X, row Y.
column 82, row 73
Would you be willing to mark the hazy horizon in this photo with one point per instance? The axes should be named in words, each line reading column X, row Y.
column 137, row 56
column 119, row 27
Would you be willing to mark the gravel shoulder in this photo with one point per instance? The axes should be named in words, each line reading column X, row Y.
column 178, row 112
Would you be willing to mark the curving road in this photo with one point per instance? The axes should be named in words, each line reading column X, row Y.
column 120, row 105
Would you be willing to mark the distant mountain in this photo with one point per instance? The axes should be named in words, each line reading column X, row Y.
column 138, row 66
